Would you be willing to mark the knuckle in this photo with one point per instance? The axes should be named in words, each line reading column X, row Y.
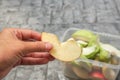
column 40, row 46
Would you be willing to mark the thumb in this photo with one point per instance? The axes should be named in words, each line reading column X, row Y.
column 36, row 46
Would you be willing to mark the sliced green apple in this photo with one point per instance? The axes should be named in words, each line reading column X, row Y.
column 109, row 73
column 81, row 64
column 82, row 43
column 84, row 35
column 94, row 41
column 104, row 56
column 111, row 49
column 68, row 72
column 115, row 60
column 66, row 51
column 81, row 72
column 90, row 52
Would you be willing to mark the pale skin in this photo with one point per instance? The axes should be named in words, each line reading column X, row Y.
column 22, row 47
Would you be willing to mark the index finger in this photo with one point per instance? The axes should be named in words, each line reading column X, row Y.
column 27, row 34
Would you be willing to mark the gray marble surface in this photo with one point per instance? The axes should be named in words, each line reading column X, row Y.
column 57, row 16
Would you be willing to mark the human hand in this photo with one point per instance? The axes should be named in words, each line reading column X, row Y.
column 22, row 47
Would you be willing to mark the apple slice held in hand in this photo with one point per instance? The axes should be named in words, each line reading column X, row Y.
column 66, row 51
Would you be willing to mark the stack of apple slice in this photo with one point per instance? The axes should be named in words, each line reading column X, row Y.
column 91, row 46
column 93, row 49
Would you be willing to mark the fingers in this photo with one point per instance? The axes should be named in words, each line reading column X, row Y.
column 29, row 34
column 34, row 61
column 35, row 58
column 40, row 55
column 36, row 47
column 26, row 34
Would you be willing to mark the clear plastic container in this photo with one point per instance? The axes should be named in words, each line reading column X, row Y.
column 92, row 69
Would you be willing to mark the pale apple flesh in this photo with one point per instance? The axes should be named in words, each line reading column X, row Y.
column 66, row 51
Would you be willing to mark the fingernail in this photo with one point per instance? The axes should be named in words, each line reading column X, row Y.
column 48, row 46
